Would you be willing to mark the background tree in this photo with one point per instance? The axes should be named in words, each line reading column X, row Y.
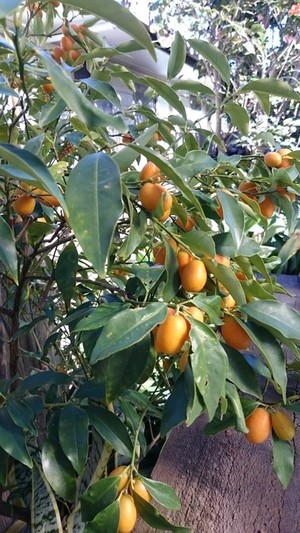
column 146, row 275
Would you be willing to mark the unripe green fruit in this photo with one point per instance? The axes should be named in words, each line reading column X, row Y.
column 282, row 425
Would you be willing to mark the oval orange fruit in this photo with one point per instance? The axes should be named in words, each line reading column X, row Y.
column 128, row 514
column 259, row 426
column 150, row 172
column 123, row 472
column 273, row 159
column 171, row 335
column 139, row 488
column 193, row 276
column 233, row 334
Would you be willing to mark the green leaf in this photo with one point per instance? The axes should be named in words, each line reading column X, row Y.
column 279, row 316
column 51, row 112
column 162, row 493
column 125, row 367
column 8, row 252
column 289, row 248
column 93, row 195
column 234, row 218
column 99, row 316
column 177, row 56
column 215, row 57
column 3, row 466
column 86, row 111
column 127, row 328
column 58, row 470
column 283, row 460
column 7, row 6
column 105, row 90
column 191, row 86
column 44, row 507
column 65, row 272
column 119, row 16
column 12, row 439
column 166, row 92
column 209, row 365
column 21, row 414
column 210, row 305
column 226, row 276
column 106, row 520
column 233, row 396
column 174, row 411
column 172, row 275
column 153, row 517
column 241, row 373
column 98, row 496
column 194, row 162
column 42, row 378
column 5, row 90
column 272, row 86
column 111, row 429
column 73, row 435
column 239, row 117
column 125, row 157
column 34, row 167
column 199, row 242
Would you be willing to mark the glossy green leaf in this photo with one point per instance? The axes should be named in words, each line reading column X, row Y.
column 172, row 283
column 239, row 117
column 241, row 373
column 21, row 414
column 199, row 242
column 34, row 167
column 227, row 277
column 93, row 195
column 132, row 419
column 125, row 157
column 73, row 435
column 264, row 100
column 111, row 429
column 289, row 248
column 3, row 466
column 86, row 111
column 166, row 92
column 51, row 111
column 119, row 16
column 233, row 397
column 105, row 90
column 65, row 272
column 272, row 86
column 12, row 439
column 152, row 516
column 8, row 252
column 194, row 162
column 44, row 506
column 279, row 316
column 283, row 460
column 214, row 56
column 58, row 470
column 138, row 228
column 99, row 316
column 5, row 90
column 125, row 367
column 98, row 496
column 177, row 56
column 210, row 305
column 39, row 379
column 7, row 6
column 162, row 493
column 209, row 365
column 106, row 520
column 192, row 86
column 234, row 218
column 127, row 328
column 174, row 411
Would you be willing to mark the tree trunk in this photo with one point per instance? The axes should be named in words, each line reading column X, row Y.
column 225, row 484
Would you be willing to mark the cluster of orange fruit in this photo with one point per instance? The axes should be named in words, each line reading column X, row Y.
column 25, row 198
column 127, row 488
column 152, row 194
column 261, row 422
column 279, row 158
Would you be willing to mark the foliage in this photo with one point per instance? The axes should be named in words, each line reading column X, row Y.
column 82, row 386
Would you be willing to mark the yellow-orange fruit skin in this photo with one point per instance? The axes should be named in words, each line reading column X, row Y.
column 249, row 188
column 183, row 361
column 45, row 198
column 267, row 207
column 48, row 88
column 287, row 161
column 187, row 225
column 67, row 43
column 128, row 514
column 193, row 276
column 183, row 258
column 138, row 487
column 150, row 195
column 165, row 215
column 171, row 335
column 282, row 425
column 234, row 335
column 273, row 159
column 150, row 172
column 259, row 426
column 74, row 54
column 121, row 471
column 228, row 302
column 24, row 205
column 222, row 260
column 159, row 251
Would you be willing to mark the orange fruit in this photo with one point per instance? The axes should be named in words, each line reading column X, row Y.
column 222, row 260
column 195, row 312
column 287, row 161
column 165, row 215
column 54, row 3
column 183, row 361
column 273, row 159
column 74, row 54
column 228, row 302
column 67, row 43
column 150, row 172
column 48, row 88
column 45, row 198
column 267, row 207
column 259, row 426
column 193, row 276
column 123, row 473
column 240, row 275
column 128, row 514
column 159, row 251
column 183, row 258
column 249, row 188
column 157, row 136
column 282, row 425
column 150, row 195
column 139, row 488
column 233, row 334
column 188, row 225
column 171, row 334
column 127, row 138
column 24, row 205
column 57, row 54
column 219, row 209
